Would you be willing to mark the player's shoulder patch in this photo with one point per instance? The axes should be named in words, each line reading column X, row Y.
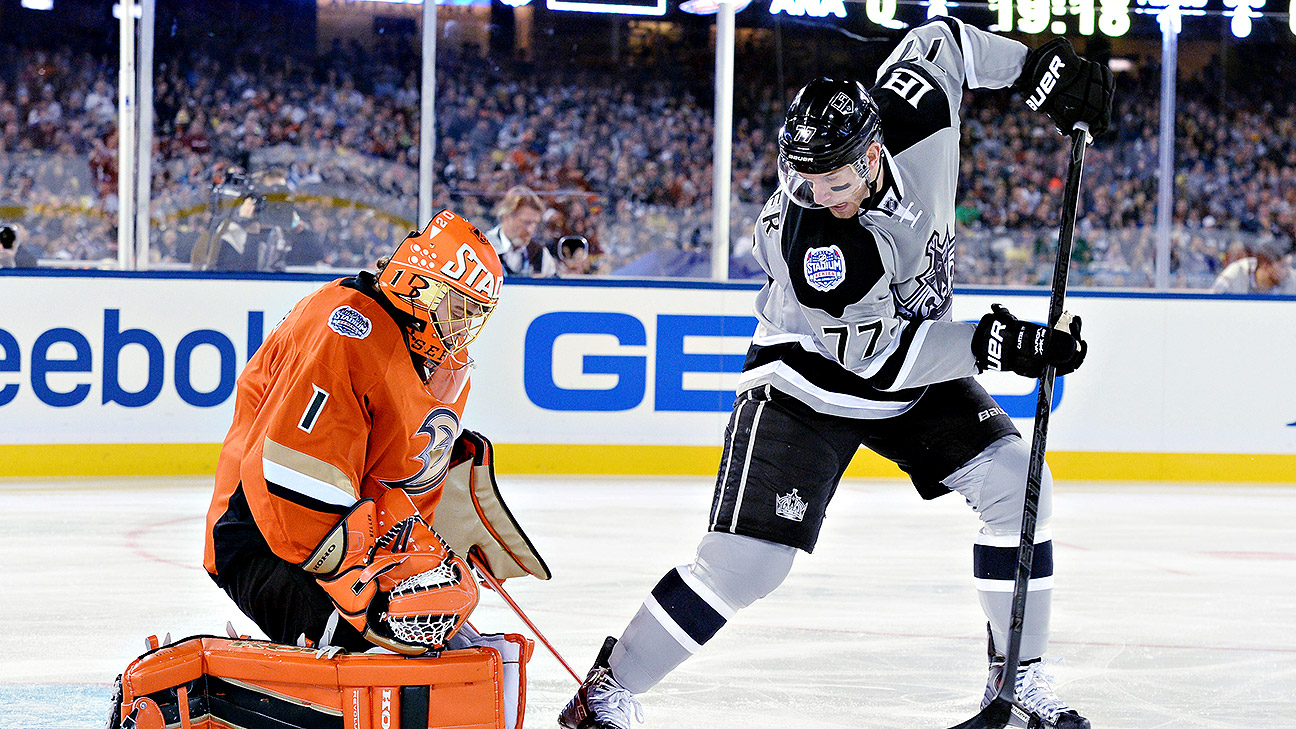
column 349, row 323
column 912, row 104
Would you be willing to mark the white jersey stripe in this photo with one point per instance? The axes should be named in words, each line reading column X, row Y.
column 880, row 359
column 911, row 356
column 766, row 340
column 780, row 369
column 969, row 59
column 676, row 632
column 305, row 485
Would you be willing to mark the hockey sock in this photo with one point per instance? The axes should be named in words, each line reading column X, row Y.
column 691, row 603
column 992, row 483
column 994, row 562
column 671, row 625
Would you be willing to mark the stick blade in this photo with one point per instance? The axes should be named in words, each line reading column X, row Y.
column 994, row 716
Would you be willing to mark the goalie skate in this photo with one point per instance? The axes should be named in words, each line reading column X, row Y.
column 601, row 702
column 1036, row 704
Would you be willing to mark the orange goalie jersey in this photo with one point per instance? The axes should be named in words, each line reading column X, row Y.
column 330, row 410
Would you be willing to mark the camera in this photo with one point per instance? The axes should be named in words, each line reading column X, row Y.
column 8, row 237
column 570, row 246
column 252, row 218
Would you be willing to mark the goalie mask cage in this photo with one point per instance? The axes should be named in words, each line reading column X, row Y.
column 206, row 682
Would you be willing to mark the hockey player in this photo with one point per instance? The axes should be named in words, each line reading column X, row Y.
column 855, row 346
column 343, row 430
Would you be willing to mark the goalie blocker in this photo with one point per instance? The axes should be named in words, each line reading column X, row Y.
column 207, row 682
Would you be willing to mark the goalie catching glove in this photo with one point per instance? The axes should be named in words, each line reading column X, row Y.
column 1004, row 342
column 391, row 576
column 1068, row 88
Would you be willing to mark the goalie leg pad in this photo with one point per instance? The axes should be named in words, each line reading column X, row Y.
column 212, row 683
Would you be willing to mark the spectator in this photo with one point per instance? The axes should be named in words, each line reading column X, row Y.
column 519, row 214
column 12, row 253
column 347, row 128
column 1265, row 271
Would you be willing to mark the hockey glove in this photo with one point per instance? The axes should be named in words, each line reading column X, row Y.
column 392, row 578
column 1004, row 342
column 1068, row 88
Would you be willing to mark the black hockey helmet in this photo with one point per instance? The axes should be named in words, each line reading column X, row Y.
column 829, row 125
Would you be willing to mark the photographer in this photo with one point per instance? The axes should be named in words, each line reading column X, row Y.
column 252, row 234
column 13, row 254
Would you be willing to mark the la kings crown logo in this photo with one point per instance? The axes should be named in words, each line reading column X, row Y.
column 790, row 506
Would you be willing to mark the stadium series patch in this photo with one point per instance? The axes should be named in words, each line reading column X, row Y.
column 349, row 323
column 825, row 268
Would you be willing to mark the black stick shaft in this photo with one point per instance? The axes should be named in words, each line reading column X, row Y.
column 1030, row 511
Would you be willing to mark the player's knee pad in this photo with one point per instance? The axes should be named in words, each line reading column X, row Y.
column 740, row 569
column 693, row 602
column 994, row 483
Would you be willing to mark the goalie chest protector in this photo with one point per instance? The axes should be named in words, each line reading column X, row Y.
column 219, row 683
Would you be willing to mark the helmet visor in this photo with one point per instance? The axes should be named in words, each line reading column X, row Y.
column 842, row 185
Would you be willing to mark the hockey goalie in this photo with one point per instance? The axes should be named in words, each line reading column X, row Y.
column 347, row 499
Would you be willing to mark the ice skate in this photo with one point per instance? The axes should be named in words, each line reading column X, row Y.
column 1035, row 704
column 601, row 702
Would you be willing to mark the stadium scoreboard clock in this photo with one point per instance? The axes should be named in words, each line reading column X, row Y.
column 1058, row 17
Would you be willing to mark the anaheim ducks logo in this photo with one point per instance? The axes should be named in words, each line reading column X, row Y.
column 441, row 427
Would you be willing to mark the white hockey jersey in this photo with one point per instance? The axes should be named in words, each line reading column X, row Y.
column 855, row 318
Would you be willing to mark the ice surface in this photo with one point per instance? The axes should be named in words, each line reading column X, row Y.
column 1175, row 605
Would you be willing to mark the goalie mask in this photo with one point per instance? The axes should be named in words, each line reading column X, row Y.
column 828, row 130
column 448, row 278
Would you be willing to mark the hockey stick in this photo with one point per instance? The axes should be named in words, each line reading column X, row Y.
column 997, row 713
column 478, row 563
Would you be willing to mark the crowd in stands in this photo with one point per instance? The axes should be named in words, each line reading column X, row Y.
column 623, row 157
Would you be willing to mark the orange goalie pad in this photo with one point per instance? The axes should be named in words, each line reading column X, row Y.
column 207, row 682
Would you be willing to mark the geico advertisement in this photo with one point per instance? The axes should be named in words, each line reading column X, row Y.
column 143, row 359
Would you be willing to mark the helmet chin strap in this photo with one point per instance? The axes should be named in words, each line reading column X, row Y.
column 872, row 186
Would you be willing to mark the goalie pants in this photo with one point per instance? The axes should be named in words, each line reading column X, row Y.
column 780, row 468
column 285, row 601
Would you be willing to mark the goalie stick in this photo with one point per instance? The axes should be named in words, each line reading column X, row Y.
column 997, row 713
column 479, row 564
